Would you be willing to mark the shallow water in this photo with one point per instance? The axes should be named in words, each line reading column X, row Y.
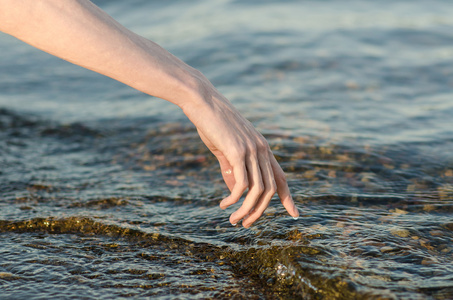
column 106, row 192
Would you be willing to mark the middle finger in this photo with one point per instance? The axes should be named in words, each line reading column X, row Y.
column 256, row 188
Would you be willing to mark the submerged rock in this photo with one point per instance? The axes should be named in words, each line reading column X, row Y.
column 401, row 232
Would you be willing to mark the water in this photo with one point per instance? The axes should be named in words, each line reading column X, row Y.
column 107, row 192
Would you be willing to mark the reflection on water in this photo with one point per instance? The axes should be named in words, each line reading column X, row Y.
column 105, row 192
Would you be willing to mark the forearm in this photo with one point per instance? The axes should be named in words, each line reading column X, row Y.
column 78, row 31
column 81, row 33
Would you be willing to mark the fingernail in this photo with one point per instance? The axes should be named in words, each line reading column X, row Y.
column 296, row 218
column 234, row 224
column 297, row 210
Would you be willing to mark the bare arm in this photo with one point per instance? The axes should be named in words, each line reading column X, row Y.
column 80, row 32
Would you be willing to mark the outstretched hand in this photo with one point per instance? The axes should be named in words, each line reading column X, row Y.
column 83, row 34
column 245, row 159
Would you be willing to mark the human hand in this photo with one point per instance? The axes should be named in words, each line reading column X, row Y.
column 65, row 28
column 246, row 161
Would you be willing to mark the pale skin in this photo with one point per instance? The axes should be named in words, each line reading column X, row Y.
column 83, row 34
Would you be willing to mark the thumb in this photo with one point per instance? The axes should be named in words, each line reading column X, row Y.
column 225, row 166
column 227, row 171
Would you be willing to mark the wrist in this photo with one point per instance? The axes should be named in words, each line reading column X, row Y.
column 198, row 93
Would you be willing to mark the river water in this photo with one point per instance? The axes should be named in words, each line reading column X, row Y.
column 109, row 193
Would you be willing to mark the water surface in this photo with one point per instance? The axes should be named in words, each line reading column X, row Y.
column 107, row 192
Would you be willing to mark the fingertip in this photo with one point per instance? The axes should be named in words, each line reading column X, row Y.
column 233, row 219
column 291, row 207
column 251, row 218
column 295, row 214
column 224, row 203
column 228, row 201
column 231, row 199
column 247, row 223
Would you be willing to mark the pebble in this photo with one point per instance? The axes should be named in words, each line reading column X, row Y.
column 436, row 233
column 400, row 232
column 398, row 211
column 387, row 249
column 428, row 207
column 5, row 275
column 428, row 261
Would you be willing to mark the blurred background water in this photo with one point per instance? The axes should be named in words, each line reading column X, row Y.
column 107, row 192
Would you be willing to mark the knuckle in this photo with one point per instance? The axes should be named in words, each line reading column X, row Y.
column 241, row 151
column 238, row 152
column 272, row 189
column 243, row 184
column 262, row 144
column 270, row 153
column 280, row 177
column 253, row 151
column 258, row 189
column 233, row 201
